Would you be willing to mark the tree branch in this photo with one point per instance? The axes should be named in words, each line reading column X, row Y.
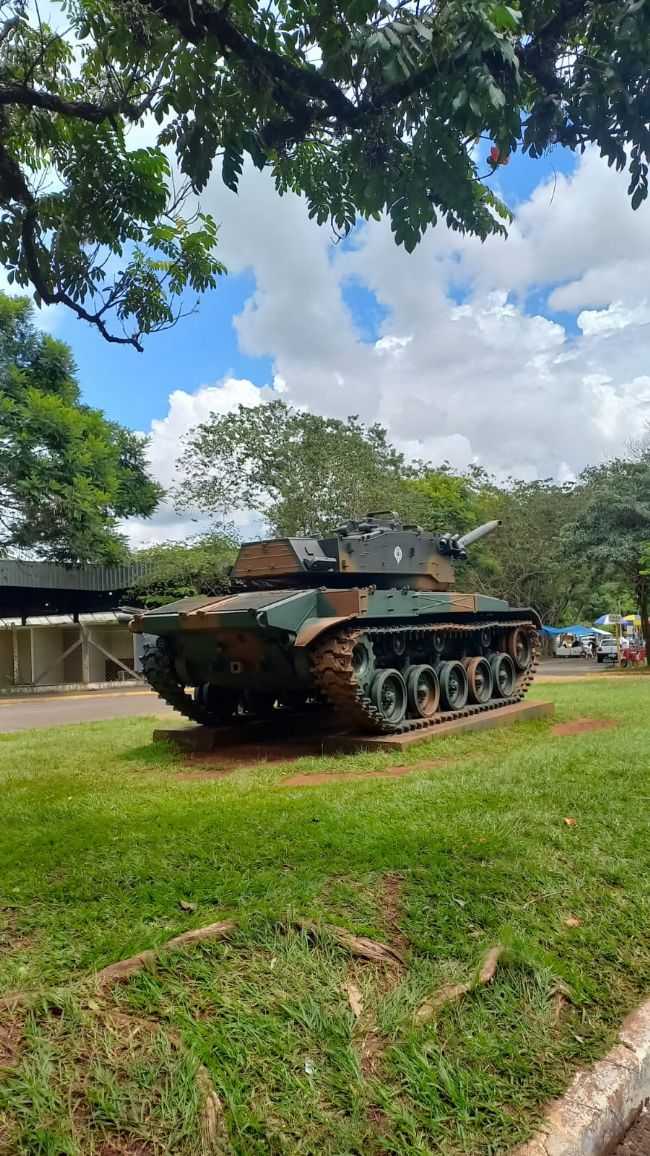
column 197, row 24
column 80, row 109
column 14, row 187
column 8, row 27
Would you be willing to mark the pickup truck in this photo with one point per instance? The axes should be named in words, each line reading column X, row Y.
column 607, row 650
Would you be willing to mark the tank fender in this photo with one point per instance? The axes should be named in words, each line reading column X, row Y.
column 312, row 627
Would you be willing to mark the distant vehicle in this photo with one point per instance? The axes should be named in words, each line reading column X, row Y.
column 607, row 649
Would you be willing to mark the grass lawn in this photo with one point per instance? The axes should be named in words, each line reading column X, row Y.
column 101, row 840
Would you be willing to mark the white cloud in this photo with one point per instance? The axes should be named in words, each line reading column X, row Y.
column 187, row 410
column 616, row 316
column 463, row 368
column 484, row 380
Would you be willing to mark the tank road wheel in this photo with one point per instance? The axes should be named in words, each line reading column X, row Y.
column 453, row 685
column 218, row 703
column 388, row 693
column 363, row 661
column 519, row 645
column 423, row 691
column 503, row 674
column 479, row 678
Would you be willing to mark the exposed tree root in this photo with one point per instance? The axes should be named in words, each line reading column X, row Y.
column 451, row 992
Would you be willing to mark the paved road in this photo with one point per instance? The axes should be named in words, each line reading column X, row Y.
column 91, row 706
column 572, row 667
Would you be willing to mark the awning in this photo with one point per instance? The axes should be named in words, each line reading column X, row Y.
column 99, row 618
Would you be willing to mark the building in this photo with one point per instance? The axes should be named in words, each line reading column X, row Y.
column 65, row 625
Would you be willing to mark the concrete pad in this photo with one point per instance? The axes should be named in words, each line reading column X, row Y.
column 201, row 740
column 502, row 716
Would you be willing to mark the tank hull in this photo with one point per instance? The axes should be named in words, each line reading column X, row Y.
column 246, row 654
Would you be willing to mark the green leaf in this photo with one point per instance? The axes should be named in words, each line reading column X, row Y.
column 231, row 168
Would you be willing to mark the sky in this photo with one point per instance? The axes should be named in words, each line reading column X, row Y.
column 529, row 355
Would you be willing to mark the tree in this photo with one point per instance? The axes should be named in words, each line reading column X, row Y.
column 182, row 569
column 302, row 473
column 612, row 534
column 442, row 500
column 526, row 560
column 364, row 106
column 67, row 473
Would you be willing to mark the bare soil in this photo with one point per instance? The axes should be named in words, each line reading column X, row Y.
column 11, row 938
column 11, row 1041
column 391, row 907
column 637, row 1141
column 252, row 756
column 580, row 726
column 345, row 777
column 125, row 1146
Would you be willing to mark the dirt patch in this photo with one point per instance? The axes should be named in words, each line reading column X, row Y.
column 252, row 756
column 11, row 1041
column 396, row 772
column 581, row 726
column 371, row 1052
column 11, row 937
column 125, row 1146
column 390, row 903
column 637, row 1141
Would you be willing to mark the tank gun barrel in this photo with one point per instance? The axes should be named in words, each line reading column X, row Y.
column 472, row 536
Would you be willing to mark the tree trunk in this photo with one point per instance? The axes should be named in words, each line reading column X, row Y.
column 642, row 589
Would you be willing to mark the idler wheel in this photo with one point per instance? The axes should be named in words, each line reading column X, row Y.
column 363, row 661
column 479, row 678
column 519, row 645
column 423, row 691
column 220, row 702
column 454, row 686
column 503, row 675
column 388, row 693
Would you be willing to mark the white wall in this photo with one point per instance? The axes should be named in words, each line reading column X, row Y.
column 47, row 647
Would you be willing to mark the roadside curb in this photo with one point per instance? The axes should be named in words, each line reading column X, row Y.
column 603, row 1101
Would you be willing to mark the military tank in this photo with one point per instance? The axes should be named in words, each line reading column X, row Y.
column 364, row 623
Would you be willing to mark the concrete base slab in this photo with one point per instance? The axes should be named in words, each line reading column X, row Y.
column 202, row 740
column 505, row 716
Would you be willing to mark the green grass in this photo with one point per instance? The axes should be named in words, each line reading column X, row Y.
column 100, row 840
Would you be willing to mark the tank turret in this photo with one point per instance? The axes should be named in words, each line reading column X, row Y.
column 377, row 550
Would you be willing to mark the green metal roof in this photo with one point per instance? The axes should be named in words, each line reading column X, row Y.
column 52, row 576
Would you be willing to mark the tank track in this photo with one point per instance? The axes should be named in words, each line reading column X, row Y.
column 158, row 669
column 335, row 679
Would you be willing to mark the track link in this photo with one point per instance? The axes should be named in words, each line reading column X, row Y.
column 334, row 675
column 158, row 668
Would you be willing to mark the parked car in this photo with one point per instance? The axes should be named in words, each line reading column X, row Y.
column 607, row 649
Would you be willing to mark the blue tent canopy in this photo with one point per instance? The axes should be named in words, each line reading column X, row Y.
column 578, row 631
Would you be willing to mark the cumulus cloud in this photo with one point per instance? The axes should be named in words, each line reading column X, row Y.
column 464, row 368
column 187, row 410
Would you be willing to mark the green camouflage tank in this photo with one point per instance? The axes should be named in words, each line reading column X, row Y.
column 365, row 623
